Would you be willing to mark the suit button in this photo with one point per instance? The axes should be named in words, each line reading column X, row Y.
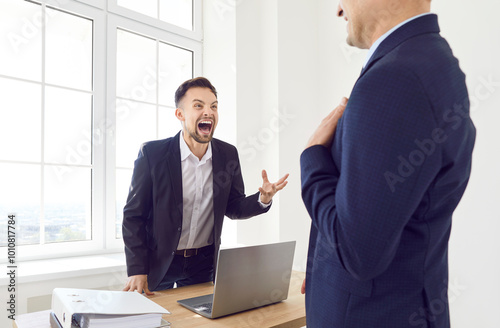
column 173, row 253
column 179, row 229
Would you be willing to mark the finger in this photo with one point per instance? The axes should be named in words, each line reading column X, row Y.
column 303, row 288
column 135, row 287
column 147, row 291
column 128, row 286
column 335, row 115
column 281, row 186
column 338, row 111
column 264, row 176
column 280, row 181
column 331, row 121
column 339, row 108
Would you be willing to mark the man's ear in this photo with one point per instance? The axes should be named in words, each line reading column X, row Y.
column 179, row 113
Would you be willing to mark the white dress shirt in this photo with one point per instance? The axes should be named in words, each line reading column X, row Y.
column 377, row 43
column 197, row 197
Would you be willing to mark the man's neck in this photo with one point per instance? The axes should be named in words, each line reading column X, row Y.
column 386, row 25
column 198, row 149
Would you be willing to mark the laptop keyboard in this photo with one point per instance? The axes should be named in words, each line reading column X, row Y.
column 206, row 307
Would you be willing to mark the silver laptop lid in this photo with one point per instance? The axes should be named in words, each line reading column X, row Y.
column 250, row 277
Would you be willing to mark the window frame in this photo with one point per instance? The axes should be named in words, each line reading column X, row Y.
column 195, row 34
column 107, row 17
column 118, row 22
column 95, row 244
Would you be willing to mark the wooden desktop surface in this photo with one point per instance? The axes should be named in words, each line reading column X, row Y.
column 287, row 314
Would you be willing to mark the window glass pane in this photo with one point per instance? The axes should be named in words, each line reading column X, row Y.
column 177, row 12
column 20, row 120
column 136, row 67
column 168, row 124
column 68, row 50
column 123, row 178
column 68, row 127
column 176, row 66
column 67, row 203
column 21, row 41
column 135, row 124
column 146, row 7
column 20, row 195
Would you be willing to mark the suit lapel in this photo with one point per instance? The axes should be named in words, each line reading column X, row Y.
column 422, row 25
column 173, row 158
column 218, row 178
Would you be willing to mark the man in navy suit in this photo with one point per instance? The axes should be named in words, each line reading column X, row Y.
column 180, row 191
column 383, row 173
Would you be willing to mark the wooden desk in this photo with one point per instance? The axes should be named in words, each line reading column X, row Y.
column 287, row 314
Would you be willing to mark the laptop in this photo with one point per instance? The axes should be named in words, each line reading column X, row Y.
column 247, row 278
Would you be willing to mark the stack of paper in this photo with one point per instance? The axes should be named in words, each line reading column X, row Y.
column 105, row 309
column 150, row 320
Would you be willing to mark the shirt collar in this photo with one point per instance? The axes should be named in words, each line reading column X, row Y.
column 377, row 43
column 185, row 151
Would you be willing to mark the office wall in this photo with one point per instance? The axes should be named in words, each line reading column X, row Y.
column 291, row 62
column 276, row 73
column 473, row 33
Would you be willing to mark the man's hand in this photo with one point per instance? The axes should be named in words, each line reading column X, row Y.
column 303, row 288
column 138, row 283
column 324, row 133
column 268, row 189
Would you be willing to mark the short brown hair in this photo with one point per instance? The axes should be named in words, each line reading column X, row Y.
column 197, row 82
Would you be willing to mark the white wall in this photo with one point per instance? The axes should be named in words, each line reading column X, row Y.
column 219, row 66
column 299, row 81
column 291, row 55
column 256, row 97
column 277, row 81
column 474, row 34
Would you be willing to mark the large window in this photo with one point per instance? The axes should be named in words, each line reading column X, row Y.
column 47, row 92
column 83, row 85
column 148, row 73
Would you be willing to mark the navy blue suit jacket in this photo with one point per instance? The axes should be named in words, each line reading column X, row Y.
column 382, row 198
column 152, row 216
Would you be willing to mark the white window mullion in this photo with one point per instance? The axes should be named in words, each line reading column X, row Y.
column 42, row 139
column 100, row 126
column 110, row 142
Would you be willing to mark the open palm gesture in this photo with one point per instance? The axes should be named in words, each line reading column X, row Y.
column 268, row 189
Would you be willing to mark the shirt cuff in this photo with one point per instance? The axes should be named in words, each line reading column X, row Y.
column 262, row 204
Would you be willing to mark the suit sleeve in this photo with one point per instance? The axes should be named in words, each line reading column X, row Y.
column 135, row 216
column 240, row 206
column 361, row 208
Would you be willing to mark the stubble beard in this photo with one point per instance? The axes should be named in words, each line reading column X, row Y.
column 197, row 137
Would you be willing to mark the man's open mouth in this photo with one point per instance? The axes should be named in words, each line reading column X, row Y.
column 205, row 127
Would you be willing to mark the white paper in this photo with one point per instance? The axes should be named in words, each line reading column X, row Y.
column 69, row 301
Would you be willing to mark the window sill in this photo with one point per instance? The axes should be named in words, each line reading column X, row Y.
column 53, row 269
